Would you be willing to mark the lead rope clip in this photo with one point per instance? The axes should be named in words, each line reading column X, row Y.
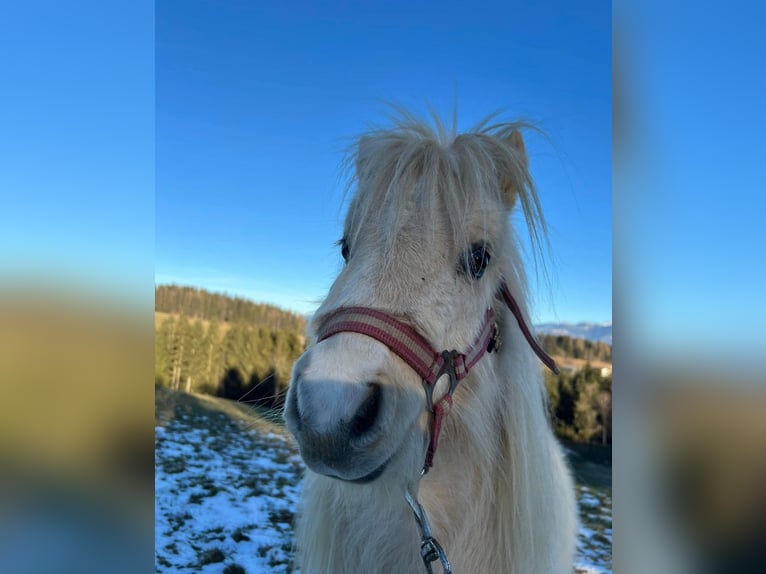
column 430, row 549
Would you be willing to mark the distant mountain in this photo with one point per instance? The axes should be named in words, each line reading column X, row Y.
column 589, row 331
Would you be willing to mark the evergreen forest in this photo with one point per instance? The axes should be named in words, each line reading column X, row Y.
column 225, row 346
column 237, row 349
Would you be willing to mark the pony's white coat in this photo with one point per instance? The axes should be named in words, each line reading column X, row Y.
column 499, row 497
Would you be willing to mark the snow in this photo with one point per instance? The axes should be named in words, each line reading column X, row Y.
column 594, row 540
column 223, row 502
column 225, row 498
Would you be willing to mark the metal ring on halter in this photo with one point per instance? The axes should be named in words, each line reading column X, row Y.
column 447, row 368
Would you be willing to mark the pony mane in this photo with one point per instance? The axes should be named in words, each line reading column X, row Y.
column 415, row 161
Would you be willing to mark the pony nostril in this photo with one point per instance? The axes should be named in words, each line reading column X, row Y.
column 365, row 416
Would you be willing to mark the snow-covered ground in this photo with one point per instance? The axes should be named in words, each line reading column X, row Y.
column 224, row 496
column 226, row 490
column 594, row 544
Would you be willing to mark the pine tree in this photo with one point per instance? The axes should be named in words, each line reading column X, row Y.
column 604, row 403
column 585, row 416
column 552, row 391
column 180, row 351
column 162, row 353
column 212, row 351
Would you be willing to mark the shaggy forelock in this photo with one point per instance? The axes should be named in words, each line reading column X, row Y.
column 420, row 165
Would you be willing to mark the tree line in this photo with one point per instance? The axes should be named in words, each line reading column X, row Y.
column 581, row 405
column 224, row 346
column 196, row 303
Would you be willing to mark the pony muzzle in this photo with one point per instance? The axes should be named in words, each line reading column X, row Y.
column 340, row 425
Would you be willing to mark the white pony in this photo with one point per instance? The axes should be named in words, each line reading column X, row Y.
column 428, row 243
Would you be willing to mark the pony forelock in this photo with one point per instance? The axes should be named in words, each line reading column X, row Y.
column 421, row 161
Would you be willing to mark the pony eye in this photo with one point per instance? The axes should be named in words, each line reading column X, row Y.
column 344, row 248
column 476, row 261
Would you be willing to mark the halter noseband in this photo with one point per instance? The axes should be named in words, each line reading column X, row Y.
column 409, row 345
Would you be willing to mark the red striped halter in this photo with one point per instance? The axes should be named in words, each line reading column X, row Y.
column 404, row 341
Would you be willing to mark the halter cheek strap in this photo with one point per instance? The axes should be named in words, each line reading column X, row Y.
column 404, row 341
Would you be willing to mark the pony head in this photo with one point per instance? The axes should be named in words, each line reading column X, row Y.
column 427, row 241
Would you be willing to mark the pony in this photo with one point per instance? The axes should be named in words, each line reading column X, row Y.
column 428, row 243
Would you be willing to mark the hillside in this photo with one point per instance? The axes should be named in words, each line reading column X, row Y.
column 233, row 348
column 226, row 487
column 227, row 479
column 225, row 346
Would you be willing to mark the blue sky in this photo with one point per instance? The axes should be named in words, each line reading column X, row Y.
column 256, row 103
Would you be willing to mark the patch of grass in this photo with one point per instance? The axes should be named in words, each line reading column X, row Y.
column 197, row 497
column 219, row 444
column 281, row 517
column 210, row 486
column 213, row 534
column 211, row 556
column 248, row 482
column 281, row 457
column 239, row 536
column 255, row 486
column 178, row 520
column 234, row 569
column 263, row 550
column 274, row 562
column 174, row 465
column 283, row 481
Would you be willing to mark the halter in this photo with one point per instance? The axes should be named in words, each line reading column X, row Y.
column 409, row 345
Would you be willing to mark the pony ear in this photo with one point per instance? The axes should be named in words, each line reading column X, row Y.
column 512, row 181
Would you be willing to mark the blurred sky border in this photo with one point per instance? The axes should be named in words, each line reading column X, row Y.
column 256, row 102
column 689, row 181
column 77, row 149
